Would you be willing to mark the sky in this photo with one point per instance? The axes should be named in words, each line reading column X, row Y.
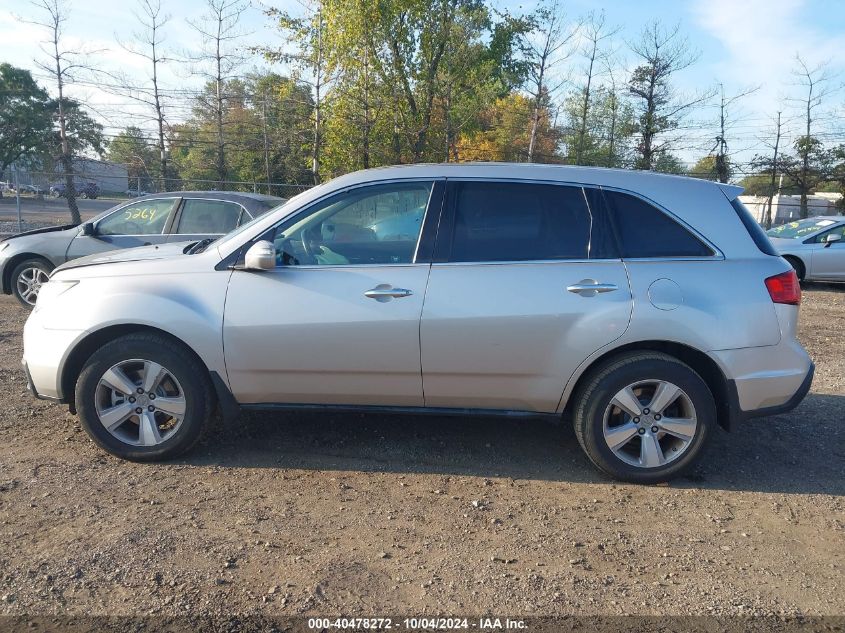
column 743, row 44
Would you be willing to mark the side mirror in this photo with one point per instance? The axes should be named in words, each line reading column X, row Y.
column 260, row 256
column 88, row 229
column 833, row 237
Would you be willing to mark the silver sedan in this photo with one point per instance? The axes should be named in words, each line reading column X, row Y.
column 814, row 246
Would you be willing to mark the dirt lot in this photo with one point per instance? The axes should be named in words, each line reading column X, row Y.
column 364, row 515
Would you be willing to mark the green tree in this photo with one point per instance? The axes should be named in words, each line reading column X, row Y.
column 505, row 132
column 25, row 116
column 132, row 148
column 707, row 168
column 666, row 162
column 605, row 138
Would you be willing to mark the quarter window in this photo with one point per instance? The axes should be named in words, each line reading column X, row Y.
column 645, row 231
column 147, row 217
column 507, row 221
column 200, row 216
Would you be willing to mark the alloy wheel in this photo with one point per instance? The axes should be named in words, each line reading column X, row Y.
column 29, row 283
column 140, row 402
column 650, row 423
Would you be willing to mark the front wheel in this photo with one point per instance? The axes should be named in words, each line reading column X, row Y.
column 142, row 398
column 644, row 417
column 27, row 279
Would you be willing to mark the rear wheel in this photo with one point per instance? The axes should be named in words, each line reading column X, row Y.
column 143, row 398
column 27, row 279
column 644, row 417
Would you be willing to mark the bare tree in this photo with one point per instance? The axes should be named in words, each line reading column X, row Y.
column 774, row 170
column 662, row 53
column 151, row 38
column 219, row 28
column 546, row 48
column 721, row 147
column 595, row 32
column 815, row 84
column 63, row 62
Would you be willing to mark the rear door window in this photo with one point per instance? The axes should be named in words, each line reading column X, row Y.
column 645, row 231
column 201, row 217
column 511, row 221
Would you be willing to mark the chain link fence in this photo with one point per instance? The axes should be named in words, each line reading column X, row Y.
column 31, row 200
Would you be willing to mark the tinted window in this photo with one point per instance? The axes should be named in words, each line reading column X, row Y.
column 754, row 230
column 380, row 224
column 504, row 221
column 645, row 231
column 208, row 216
column 147, row 217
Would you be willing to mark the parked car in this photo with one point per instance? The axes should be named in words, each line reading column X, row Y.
column 32, row 189
column 26, row 260
column 814, row 246
column 83, row 190
column 648, row 308
column 135, row 193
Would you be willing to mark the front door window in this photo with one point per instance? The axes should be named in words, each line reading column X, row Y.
column 147, row 217
column 372, row 225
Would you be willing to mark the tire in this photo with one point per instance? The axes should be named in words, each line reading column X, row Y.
column 27, row 279
column 798, row 265
column 182, row 377
column 600, row 422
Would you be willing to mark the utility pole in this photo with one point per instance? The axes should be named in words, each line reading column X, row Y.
column 774, row 175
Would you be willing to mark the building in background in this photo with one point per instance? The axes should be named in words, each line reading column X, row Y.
column 109, row 177
column 788, row 208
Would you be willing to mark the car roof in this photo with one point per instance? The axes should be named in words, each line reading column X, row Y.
column 216, row 195
column 636, row 180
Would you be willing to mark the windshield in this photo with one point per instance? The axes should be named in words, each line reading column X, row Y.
column 799, row 229
column 244, row 227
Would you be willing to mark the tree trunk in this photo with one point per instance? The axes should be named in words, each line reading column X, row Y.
column 585, row 106
column 66, row 156
column 768, row 218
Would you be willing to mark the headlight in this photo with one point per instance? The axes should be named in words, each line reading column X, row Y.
column 51, row 290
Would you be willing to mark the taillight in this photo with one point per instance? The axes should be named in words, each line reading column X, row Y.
column 784, row 288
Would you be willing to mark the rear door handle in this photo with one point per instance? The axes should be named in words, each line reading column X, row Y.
column 386, row 292
column 591, row 287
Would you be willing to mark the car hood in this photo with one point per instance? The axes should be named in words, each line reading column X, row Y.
column 46, row 229
column 141, row 253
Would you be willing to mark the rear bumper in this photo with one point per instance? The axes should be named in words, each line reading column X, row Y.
column 737, row 414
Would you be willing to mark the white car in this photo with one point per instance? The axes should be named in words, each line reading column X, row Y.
column 648, row 308
column 814, row 246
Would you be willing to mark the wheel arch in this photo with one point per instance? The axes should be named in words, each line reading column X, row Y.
column 13, row 262
column 793, row 259
column 82, row 351
column 700, row 362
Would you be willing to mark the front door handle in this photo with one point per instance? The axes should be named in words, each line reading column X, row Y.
column 386, row 292
column 591, row 287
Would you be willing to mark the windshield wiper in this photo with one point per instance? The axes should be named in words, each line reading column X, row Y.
column 199, row 247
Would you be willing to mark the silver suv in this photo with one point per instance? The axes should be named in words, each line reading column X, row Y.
column 648, row 309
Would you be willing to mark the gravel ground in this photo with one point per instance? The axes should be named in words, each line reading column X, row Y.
column 370, row 515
